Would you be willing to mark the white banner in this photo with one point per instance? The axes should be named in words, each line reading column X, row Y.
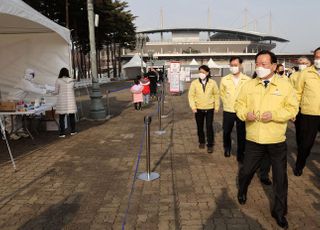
column 174, row 72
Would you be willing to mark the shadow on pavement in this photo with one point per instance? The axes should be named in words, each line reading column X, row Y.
column 56, row 216
column 228, row 215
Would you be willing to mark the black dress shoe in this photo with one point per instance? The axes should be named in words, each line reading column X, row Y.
column 281, row 221
column 210, row 150
column 297, row 172
column 266, row 181
column 227, row 153
column 202, row 146
column 242, row 198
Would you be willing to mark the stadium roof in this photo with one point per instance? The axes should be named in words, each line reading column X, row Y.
column 242, row 33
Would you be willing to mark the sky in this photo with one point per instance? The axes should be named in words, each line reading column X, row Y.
column 295, row 20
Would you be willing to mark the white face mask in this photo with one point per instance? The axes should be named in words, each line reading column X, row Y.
column 302, row 67
column 317, row 63
column 202, row 76
column 234, row 69
column 262, row 72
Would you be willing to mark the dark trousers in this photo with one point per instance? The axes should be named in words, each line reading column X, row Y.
column 137, row 105
column 228, row 122
column 297, row 124
column 278, row 157
column 201, row 116
column 265, row 165
column 309, row 127
column 72, row 119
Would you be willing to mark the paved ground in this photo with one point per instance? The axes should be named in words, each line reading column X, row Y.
column 84, row 181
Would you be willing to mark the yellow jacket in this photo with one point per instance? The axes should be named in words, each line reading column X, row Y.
column 282, row 76
column 293, row 78
column 229, row 91
column 279, row 98
column 308, row 87
column 204, row 99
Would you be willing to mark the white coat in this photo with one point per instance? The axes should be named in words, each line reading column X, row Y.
column 26, row 89
column 66, row 102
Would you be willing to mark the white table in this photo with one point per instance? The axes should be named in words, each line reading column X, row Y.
column 37, row 111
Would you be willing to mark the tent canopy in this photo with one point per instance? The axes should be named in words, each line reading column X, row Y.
column 135, row 61
column 16, row 17
column 30, row 40
column 211, row 64
column 194, row 62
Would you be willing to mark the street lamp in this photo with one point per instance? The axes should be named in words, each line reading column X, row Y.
column 97, row 110
column 141, row 41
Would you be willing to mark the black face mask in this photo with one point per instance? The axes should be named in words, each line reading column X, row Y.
column 281, row 72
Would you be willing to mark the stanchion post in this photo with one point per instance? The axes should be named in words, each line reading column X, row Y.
column 160, row 131
column 108, row 104
column 148, row 176
column 163, row 100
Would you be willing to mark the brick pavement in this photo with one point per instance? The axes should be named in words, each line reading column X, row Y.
column 83, row 182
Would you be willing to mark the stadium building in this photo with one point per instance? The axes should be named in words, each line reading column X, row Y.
column 201, row 44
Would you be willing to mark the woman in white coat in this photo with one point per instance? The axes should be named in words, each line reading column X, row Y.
column 66, row 103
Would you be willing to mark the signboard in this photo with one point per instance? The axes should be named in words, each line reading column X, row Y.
column 174, row 77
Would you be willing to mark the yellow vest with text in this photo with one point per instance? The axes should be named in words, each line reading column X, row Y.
column 279, row 98
column 229, row 91
column 308, row 91
column 204, row 99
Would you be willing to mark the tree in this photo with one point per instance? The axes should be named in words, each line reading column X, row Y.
column 116, row 29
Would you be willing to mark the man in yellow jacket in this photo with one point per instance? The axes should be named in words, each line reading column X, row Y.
column 266, row 104
column 204, row 100
column 307, row 87
column 280, row 70
column 303, row 62
column 230, row 86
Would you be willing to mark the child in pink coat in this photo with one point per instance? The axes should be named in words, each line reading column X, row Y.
column 136, row 91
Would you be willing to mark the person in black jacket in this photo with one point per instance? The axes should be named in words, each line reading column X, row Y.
column 153, row 77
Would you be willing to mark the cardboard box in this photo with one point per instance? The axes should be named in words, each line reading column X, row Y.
column 54, row 125
column 6, row 106
column 50, row 114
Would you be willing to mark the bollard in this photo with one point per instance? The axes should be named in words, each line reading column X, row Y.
column 148, row 176
column 160, row 131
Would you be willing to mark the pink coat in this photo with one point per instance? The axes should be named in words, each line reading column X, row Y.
column 136, row 91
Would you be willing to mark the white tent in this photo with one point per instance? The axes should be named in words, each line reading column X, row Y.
column 211, row 64
column 194, row 63
column 135, row 61
column 133, row 67
column 30, row 40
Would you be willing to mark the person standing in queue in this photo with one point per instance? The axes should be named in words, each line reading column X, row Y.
column 266, row 104
column 230, row 86
column 204, row 100
column 66, row 102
